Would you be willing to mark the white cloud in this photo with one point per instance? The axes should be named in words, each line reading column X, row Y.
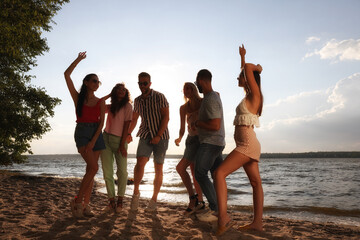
column 327, row 120
column 312, row 39
column 338, row 50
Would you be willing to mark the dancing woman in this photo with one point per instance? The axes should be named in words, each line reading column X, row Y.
column 115, row 134
column 247, row 151
column 90, row 112
column 189, row 112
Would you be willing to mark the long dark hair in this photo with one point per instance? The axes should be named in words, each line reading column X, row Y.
column 83, row 94
column 116, row 105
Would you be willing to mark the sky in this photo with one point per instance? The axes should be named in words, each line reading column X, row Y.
column 309, row 51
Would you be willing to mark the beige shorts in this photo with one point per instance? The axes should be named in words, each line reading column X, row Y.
column 246, row 142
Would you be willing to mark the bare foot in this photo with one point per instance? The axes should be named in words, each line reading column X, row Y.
column 223, row 220
column 221, row 229
column 250, row 227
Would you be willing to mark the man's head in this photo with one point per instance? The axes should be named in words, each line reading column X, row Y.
column 203, row 77
column 144, row 82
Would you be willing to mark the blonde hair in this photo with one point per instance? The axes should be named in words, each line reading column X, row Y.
column 194, row 91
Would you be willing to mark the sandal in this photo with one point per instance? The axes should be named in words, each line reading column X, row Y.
column 200, row 205
column 189, row 211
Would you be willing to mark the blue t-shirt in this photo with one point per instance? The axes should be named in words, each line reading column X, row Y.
column 211, row 108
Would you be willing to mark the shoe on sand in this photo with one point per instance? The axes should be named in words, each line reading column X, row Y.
column 76, row 209
column 110, row 208
column 209, row 216
column 87, row 212
column 222, row 229
column 151, row 207
column 198, row 208
column 135, row 202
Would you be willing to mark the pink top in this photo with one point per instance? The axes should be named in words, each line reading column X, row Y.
column 90, row 114
column 115, row 124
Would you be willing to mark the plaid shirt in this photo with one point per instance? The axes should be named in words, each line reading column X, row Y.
column 149, row 110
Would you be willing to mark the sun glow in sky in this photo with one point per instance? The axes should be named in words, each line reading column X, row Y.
column 309, row 50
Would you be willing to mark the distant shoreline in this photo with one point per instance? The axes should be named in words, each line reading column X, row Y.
column 344, row 154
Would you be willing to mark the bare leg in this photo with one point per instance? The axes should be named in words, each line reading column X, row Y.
column 89, row 190
column 196, row 184
column 181, row 169
column 157, row 180
column 252, row 171
column 139, row 172
column 92, row 166
column 231, row 163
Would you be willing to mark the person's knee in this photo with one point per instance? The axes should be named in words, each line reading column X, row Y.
column 122, row 173
column 140, row 165
column 255, row 182
column 108, row 176
column 180, row 168
column 158, row 172
column 218, row 174
column 199, row 176
column 93, row 169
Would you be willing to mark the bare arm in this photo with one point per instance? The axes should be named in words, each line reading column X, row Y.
column 132, row 125
column 67, row 73
column 182, row 124
column 124, row 135
column 210, row 125
column 242, row 52
column 107, row 106
column 106, row 97
column 91, row 144
column 254, row 98
column 163, row 125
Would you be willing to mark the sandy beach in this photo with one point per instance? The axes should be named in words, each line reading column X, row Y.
column 37, row 207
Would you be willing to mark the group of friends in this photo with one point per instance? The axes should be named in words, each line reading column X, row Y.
column 203, row 146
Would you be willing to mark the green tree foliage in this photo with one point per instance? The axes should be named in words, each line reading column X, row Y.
column 24, row 108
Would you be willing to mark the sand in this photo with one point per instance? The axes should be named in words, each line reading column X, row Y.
column 37, row 207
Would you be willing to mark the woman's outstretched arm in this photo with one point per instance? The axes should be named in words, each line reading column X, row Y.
column 67, row 73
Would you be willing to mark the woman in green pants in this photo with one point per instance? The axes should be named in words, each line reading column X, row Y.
column 115, row 134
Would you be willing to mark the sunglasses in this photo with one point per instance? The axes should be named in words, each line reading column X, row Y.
column 143, row 84
column 96, row 81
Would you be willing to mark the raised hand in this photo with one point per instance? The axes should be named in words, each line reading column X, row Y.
column 82, row 55
column 259, row 68
column 242, row 50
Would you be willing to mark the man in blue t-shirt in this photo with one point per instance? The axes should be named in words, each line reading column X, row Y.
column 212, row 140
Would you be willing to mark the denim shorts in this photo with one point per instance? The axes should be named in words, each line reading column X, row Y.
column 84, row 133
column 191, row 146
column 145, row 148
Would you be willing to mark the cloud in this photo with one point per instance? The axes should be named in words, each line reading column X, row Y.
column 338, row 50
column 312, row 39
column 323, row 120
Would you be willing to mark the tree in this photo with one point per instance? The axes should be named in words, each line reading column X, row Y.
column 24, row 108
